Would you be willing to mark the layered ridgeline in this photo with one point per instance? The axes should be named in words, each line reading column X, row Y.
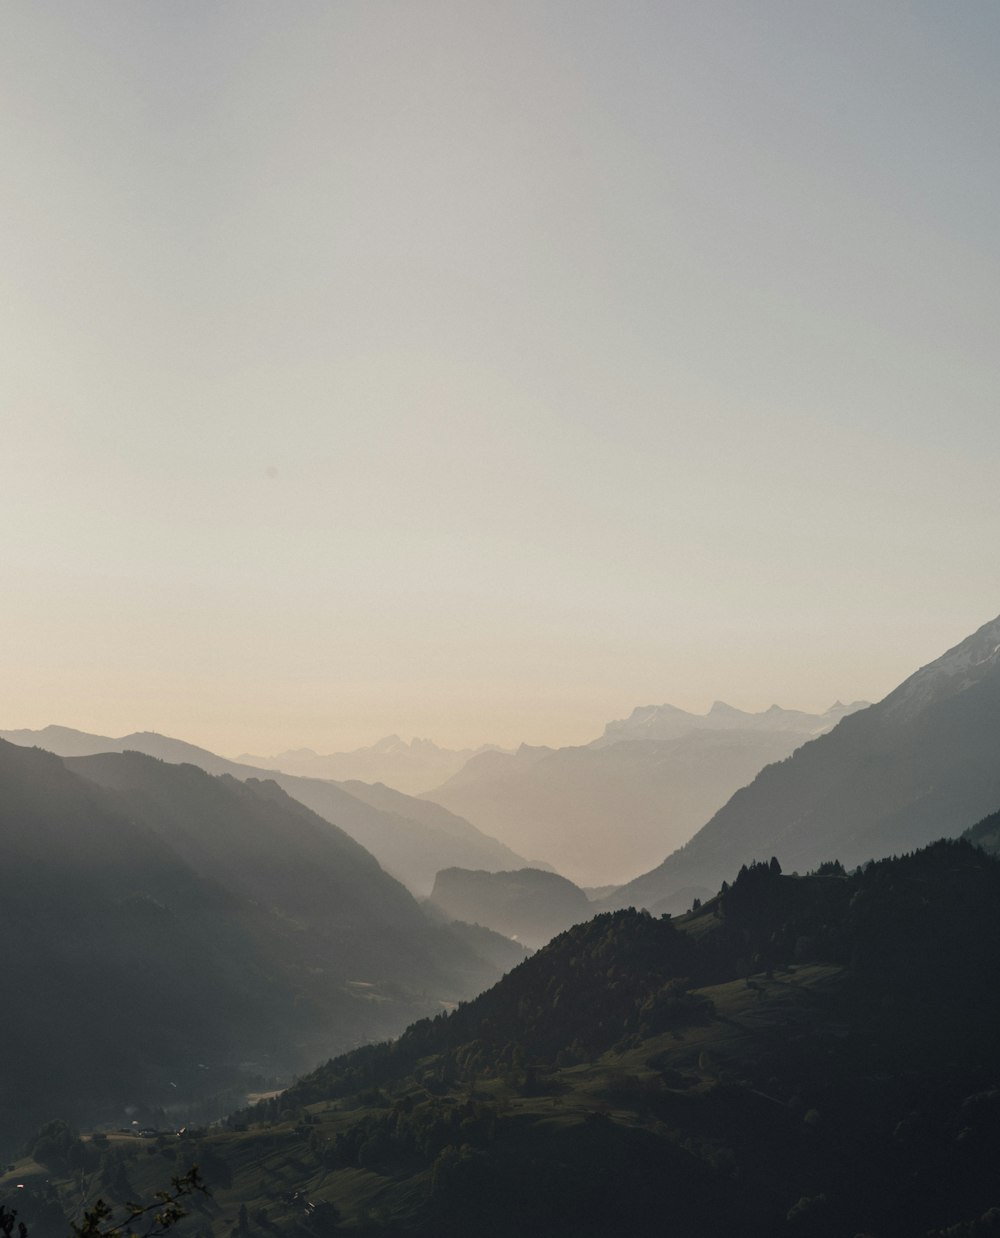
column 811, row 1056
column 168, row 935
column 605, row 811
column 410, row 838
column 923, row 762
column 411, row 767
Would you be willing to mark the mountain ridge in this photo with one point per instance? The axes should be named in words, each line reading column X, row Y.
column 158, row 917
column 413, row 848
column 920, row 763
column 411, row 767
column 670, row 722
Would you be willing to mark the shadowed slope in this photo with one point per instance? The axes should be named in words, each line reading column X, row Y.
column 923, row 762
column 160, row 920
column 601, row 813
column 408, row 837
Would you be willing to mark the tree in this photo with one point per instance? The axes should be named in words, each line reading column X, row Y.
column 57, row 1146
column 160, row 1215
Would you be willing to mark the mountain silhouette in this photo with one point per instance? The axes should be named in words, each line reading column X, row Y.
column 601, row 812
column 163, row 927
column 410, row 840
column 922, row 763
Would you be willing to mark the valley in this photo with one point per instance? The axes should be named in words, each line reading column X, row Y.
column 802, row 1098
column 210, row 938
column 500, row 658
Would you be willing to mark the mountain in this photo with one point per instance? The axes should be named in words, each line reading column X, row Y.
column 168, row 933
column 463, row 837
column 529, row 905
column 411, row 839
column 498, row 950
column 604, row 811
column 924, row 761
column 662, row 722
column 811, row 1056
column 411, row 767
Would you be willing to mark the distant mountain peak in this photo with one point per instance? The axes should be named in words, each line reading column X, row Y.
column 389, row 743
column 412, row 766
column 666, row 722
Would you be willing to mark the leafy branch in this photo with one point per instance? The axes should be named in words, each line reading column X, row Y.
column 161, row 1215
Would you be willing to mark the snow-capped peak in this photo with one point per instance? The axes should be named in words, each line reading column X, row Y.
column 972, row 660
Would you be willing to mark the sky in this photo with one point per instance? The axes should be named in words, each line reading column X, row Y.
column 483, row 370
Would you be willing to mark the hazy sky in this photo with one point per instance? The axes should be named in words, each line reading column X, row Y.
column 481, row 369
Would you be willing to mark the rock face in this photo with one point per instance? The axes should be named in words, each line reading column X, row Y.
column 922, row 763
column 529, row 905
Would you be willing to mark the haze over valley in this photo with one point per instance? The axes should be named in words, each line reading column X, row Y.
column 601, row 811
column 500, row 642
column 223, row 911
column 411, row 767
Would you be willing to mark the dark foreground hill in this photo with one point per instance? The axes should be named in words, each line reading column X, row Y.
column 169, row 935
column 812, row 1056
column 923, row 762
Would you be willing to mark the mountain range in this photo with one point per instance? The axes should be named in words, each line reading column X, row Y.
column 922, row 763
column 603, row 811
column 412, row 839
column 169, row 933
column 411, row 767
column 810, row 1054
column 666, row 722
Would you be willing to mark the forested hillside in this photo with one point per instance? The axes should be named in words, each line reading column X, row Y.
column 810, row 1055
